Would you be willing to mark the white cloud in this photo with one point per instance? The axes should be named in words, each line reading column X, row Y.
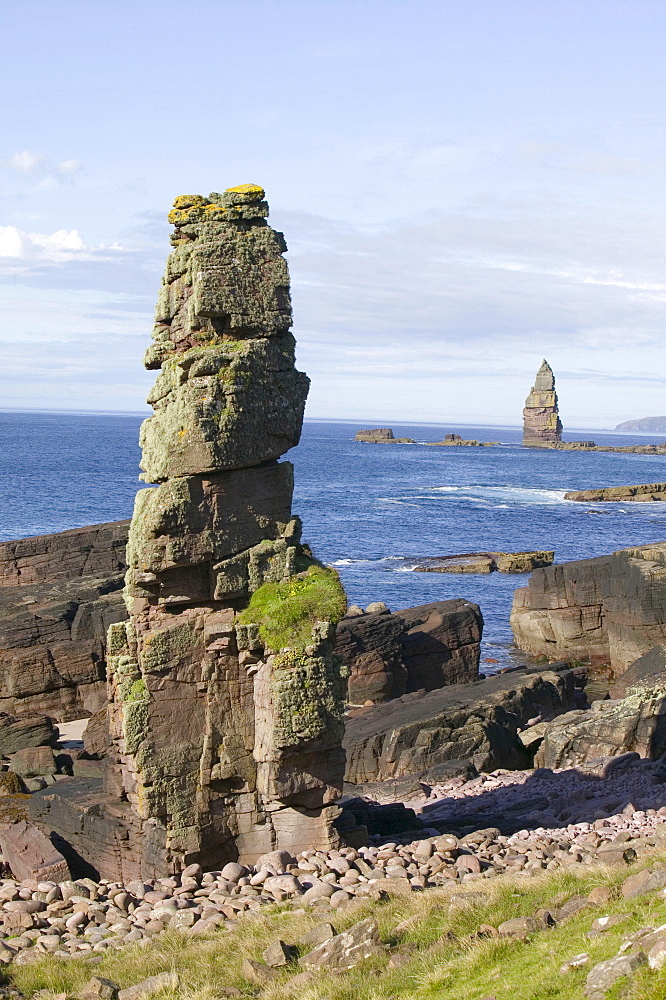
column 69, row 167
column 25, row 161
column 20, row 245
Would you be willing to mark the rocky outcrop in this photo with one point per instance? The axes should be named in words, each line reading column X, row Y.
column 611, row 609
column 58, row 595
column 381, row 435
column 225, row 698
column 634, row 724
column 420, row 648
column 475, row 723
column 96, row 551
column 457, row 441
column 606, row 494
column 486, row 562
column 542, row 426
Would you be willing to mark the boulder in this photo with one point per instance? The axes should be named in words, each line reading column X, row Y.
column 20, row 733
column 33, row 761
column 31, row 855
column 425, row 647
column 346, row 950
column 606, row 974
column 58, row 595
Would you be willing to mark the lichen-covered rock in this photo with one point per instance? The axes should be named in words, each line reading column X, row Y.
column 634, row 724
column 224, row 728
column 542, row 426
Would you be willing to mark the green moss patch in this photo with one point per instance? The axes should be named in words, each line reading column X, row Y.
column 286, row 611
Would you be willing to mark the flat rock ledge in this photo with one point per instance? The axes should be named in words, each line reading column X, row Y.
column 486, row 562
column 644, row 493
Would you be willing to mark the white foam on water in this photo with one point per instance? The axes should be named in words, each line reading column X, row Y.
column 504, row 495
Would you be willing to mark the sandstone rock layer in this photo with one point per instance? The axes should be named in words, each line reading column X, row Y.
column 611, row 609
column 58, row 595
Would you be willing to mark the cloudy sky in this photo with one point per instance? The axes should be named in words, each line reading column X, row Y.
column 466, row 186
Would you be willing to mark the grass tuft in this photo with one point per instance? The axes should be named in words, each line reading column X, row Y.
column 287, row 611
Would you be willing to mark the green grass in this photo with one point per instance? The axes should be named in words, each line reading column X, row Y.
column 286, row 611
column 448, row 962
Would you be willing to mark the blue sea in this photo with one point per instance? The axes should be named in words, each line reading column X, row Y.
column 370, row 510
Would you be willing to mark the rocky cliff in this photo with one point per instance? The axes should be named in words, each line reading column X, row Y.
column 541, row 422
column 225, row 698
column 611, row 609
column 58, row 595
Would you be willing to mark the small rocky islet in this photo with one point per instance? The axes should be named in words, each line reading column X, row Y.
column 251, row 741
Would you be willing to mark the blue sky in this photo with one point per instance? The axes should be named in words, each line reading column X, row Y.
column 465, row 187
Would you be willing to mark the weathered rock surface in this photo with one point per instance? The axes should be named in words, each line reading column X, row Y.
column 611, row 609
column 486, row 562
column 643, row 493
column 423, row 647
column 220, row 746
column 19, row 733
column 58, row 595
column 541, row 422
column 472, row 722
column 31, row 855
column 648, row 671
column 95, row 551
column 381, row 435
column 634, row 724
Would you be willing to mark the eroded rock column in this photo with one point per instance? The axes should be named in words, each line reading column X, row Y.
column 224, row 744
column 542, row 427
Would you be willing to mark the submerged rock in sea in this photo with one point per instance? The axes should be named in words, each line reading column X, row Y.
column 225, row 699
column 542, row 426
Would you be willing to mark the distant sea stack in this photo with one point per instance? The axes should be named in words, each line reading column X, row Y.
column 649, row 425
column 542, row 427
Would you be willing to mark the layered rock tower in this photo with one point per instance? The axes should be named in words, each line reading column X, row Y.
column 225, row 699
column 542, row 427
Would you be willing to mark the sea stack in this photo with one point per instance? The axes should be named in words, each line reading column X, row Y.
column 542, row 427
column 225, row 699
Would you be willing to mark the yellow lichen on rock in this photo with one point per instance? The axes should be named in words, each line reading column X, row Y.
column 253, row 192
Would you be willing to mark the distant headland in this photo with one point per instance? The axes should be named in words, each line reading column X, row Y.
column 649, row 425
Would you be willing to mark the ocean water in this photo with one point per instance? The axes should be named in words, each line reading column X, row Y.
column 370, row 510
